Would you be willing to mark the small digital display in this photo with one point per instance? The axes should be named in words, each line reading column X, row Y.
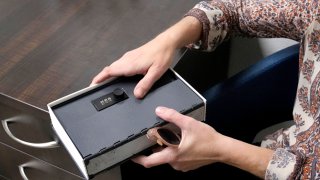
column 110, row 99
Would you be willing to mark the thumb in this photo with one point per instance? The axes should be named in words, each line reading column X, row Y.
column 173, row 116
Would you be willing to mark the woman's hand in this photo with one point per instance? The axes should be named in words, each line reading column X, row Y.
column 200, row 144
column 151, row 60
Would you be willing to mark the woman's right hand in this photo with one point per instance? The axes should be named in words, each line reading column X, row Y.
column 151, row 60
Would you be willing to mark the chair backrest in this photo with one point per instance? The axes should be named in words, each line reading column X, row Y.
column 264, row 92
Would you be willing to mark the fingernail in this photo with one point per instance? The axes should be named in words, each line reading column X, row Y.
column 160, row 109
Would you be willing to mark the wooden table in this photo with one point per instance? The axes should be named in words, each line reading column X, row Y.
column 50, row 48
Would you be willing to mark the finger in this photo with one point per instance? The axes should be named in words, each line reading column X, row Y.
column 102, row 76
column 147, row 81
column 173, row 116
column 115, row 69
column 154, row 159
column 92, row 84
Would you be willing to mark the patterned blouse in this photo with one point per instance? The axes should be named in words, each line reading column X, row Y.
column 296, row 149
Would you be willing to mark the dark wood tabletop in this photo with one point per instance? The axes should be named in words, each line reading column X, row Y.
column 50, row 48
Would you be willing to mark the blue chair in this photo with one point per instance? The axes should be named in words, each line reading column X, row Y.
column 257, row 97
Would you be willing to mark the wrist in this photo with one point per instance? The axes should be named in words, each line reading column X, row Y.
column 224, row 142
column 186, row 31
column 245, row 156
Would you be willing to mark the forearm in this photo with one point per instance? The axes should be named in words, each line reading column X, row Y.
column 245, row 156
column 222, row 19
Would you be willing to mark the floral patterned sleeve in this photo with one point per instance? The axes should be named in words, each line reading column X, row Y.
column 222, row 19
column 296, row 149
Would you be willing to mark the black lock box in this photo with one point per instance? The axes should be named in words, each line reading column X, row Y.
column 104, row 125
